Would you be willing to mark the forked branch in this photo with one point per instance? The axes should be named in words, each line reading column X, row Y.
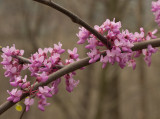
column 78, row 64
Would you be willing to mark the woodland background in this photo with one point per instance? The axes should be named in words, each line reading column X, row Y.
column 111, row 93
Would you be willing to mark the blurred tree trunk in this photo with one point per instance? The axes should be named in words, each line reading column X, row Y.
column 112, row 95
column 108, row 95
column 63, row 107
column 140, row 16
column 102, row 92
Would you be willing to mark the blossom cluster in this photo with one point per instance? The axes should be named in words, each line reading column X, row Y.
column 119, row 44
column 11, row 64
column 42, row 63
column 156, row 10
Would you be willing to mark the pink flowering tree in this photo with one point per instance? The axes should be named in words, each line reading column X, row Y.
column 106, row 43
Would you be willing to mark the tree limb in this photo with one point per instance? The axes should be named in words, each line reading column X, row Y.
column 74, row 66
column 22, row 114
column 75, row 19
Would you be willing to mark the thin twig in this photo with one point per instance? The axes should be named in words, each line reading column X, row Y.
column 24, row 110
column 75, row 19
column 21, row 59
column 24, row 60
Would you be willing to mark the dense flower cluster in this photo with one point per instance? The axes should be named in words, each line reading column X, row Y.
column 121, row 43
column 156, row 11
column 42, row 64
column 11, row 64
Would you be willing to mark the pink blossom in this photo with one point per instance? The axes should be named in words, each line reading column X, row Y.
column 43, row 77
column 156, row 11
column 28, row 102
column 148, row 53
column 42, row 103
column 104, row 60
column 92, row 43
column 151, row 35
column 70, row 82
column 12, row 51
column 73, row 54
column 112, row 26
column 83, row 35
column 15, row 95
column 94, row 55
column 68, row 61
column 46, row 91
column 55, row 58
column 132, row 64
column 54, row 88
column 58, row 49
column 99, row 29
column 20, row 82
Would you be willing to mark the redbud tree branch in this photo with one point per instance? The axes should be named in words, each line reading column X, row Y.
column 144, row 44
column 74, row 66
column 75, row 19
column 78, row 64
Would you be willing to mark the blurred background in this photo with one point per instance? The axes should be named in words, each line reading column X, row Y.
column 111, row 93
